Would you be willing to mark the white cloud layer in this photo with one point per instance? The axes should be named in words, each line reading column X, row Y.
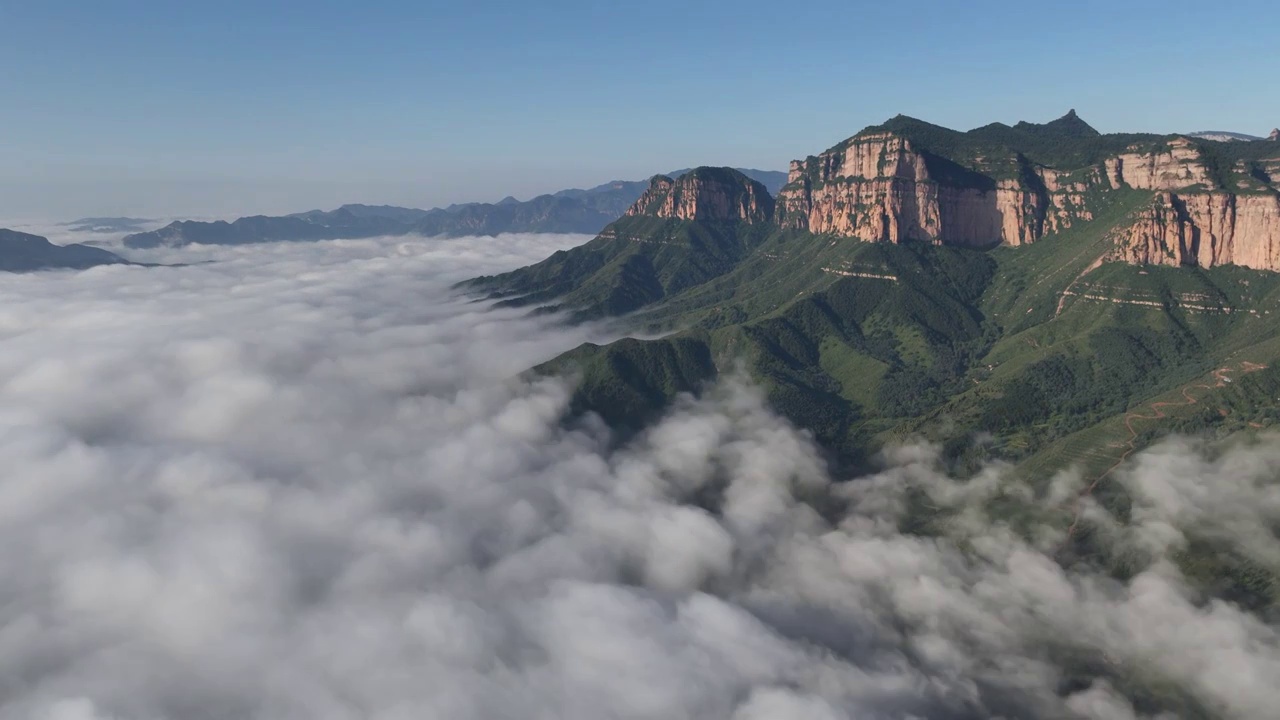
column 298, row 482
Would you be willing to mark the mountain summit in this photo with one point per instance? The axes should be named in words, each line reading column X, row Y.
column 706, row 193
column 1067, row 126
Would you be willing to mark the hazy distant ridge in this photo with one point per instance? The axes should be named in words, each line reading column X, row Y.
column 22, row 252
column 567, row 211
column 1224, row 136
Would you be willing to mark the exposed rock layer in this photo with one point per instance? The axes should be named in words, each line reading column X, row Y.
column 1205, row 229
column 715, row 194
column 879, row 186
column 1177, row 166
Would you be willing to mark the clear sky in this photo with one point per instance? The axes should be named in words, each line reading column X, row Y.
column 159, row 107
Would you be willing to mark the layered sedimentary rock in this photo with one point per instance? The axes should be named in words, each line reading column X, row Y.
column 883, row 186
column 1178, row 165
column 714, row 194
column 1204, row 229
column 878, row 187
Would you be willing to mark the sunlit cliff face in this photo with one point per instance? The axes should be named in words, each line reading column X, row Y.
column 879, row 187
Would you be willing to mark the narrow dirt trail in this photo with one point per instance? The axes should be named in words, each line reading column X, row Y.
column 1220, row 380
column 1062, row 299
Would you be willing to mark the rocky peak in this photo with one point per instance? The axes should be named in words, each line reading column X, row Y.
column 1275, row 134
column 1070, row 125
column 651, row 200
column 706, row 193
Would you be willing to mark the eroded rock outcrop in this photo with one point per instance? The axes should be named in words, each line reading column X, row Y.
column 1179, row 164
column 878, row 187
column 1275, row 134
column 1204, row 229
column 908, row 181
column 715, row 194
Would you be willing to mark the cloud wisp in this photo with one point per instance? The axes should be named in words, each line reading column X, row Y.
column 299, row 482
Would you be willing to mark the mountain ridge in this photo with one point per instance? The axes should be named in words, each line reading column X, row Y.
column 107, row 224
column 566, row 211
column 24, row 252
column 946, row 280
column 1224, row 136
column 906, row 179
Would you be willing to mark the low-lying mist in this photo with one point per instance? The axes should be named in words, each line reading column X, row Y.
column 299, row 481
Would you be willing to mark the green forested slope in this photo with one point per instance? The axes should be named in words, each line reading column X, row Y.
column 1045, row 358
column 1034, row 354
column 1043, row 348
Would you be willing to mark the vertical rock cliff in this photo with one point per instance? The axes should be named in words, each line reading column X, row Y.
column 1179, row 164
column 705, row 193
column 1204, row 229
column 879, row 186
column 910, row 181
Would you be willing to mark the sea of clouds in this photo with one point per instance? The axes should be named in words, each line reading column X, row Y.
column 300, row 481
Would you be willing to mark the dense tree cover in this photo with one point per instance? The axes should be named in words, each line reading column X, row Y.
column 984, row 353
column 628, row 381
column 1042, row 357
column 951, row 346
column 636, row 261
column 867, row 343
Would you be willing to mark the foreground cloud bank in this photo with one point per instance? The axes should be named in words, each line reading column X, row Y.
column 297, row 483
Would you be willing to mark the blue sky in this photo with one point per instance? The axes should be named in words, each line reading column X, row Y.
column 200, row 108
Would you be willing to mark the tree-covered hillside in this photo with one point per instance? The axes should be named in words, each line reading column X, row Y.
column 1021, row 354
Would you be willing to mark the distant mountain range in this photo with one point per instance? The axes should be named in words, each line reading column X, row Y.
column 107, row 224
column 567, row 211
column 21, row 252
column 1224, row 136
